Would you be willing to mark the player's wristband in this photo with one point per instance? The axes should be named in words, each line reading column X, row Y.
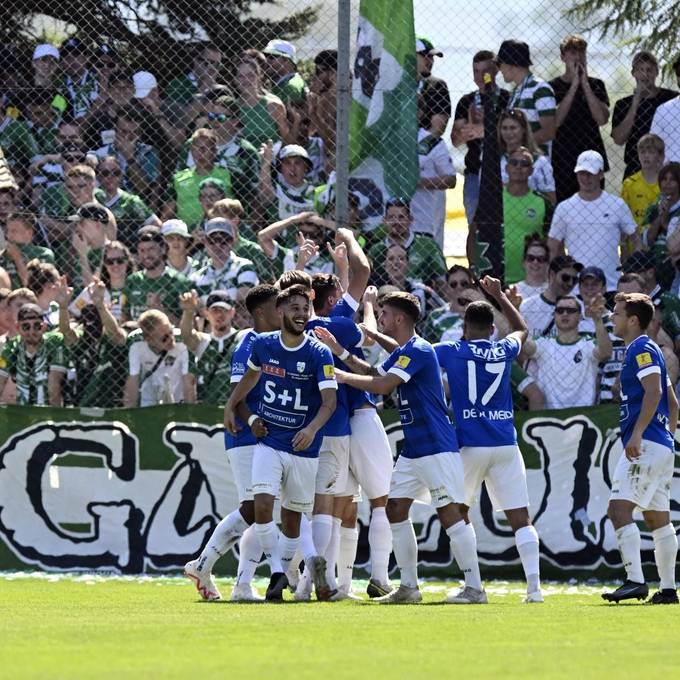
column 344, row 355
column 252, row 419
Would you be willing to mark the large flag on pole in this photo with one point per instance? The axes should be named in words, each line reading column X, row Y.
column 383, row 125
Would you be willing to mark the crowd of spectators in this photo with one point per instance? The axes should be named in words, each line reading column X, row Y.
column 136, row 216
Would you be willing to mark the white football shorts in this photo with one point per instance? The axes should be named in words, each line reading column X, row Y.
column 241, row 462
column 333, row 465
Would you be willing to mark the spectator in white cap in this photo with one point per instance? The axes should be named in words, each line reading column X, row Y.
column 288, row 84
column 593, row 223
column 178, row 239
column 45, row 63
column 292, row 193
column 225, row 270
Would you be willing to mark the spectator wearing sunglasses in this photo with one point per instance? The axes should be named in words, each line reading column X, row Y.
column 36, row 359
column 525, row 212
column 446, row 322
column 130, row 211
column 567, row 364
column 592, row 224
column 225, row 270
column 81, row 86
column 535, row 260
column 234, row 152
column 161, row 368
column 539, row 310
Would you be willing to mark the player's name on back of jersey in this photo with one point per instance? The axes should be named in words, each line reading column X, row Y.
column 489, row 415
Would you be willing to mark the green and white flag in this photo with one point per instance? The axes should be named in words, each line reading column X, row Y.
column 383, row 125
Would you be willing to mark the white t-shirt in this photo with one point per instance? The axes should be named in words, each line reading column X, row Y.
column 666, row 124
column 567, row 374
column 428, row 206
column 152, row 385
column 527, row 291
column 539, row 314
column 592, row 231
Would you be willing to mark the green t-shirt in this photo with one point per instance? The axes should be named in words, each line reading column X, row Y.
column 17, row 142
column 185, row 188
column 180, row 90
column 45, row 138
column 426, row 261
column 213, row 367
column 31, row 373
column 29, row 251
column 252, row 251
column 291, row 90
column 522, row 216
column 130, row 211
column 439, row 321
column 169, row 285
column 55, row 203
column 101, row 369
column 257, row 124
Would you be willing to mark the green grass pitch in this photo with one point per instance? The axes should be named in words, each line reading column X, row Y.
column 93, row 627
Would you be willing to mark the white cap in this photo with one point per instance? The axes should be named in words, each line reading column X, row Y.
column 281, row 48
column 291, row 150
column 589, row 161
column 144, row 83
column 45, row 50
column 175, row 227
column 219, row 224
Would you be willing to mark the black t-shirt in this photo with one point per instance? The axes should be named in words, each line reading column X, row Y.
column 641, row 124
column 473, row 156
column 433, row 98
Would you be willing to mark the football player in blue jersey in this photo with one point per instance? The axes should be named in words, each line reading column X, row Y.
column 261, row 303
column 429, row 466
column 478, row 373
column 298, row 396
column 643, row 475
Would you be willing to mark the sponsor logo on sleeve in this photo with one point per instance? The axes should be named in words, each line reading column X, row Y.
column 643, row 359
column 403, row 361
column 329, row 371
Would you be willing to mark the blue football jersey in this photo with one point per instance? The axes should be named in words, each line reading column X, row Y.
column 290, row 386
column 478, row 372
column 643, row 357
column 349, row 335
column 239, row 366
column 347, row 307
column 422, row 407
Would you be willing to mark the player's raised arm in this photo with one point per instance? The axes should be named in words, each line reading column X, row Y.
column 359, row 267
column 377, row 384
column 355, row 364
column 518, row 326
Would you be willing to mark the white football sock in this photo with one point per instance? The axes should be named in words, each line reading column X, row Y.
column 332, row 553
column 347, row 554
column 464, row 548
column 287, row 548
column 526, row 540
column 250, row 552
column 665, row 554
column 628, row 538
column 269, row 540
column 380, row 542
column 405, row 548
column 322, row 527
column 226, row 533
column 307, row 547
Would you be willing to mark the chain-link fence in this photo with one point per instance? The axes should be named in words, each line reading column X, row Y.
column 162, row 159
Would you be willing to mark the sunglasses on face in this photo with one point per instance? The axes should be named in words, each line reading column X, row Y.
column 568, row 278
column 462, row 284
column 541, row 259
column 219, row 117
column 219, row 240
column 27, row 326
column 74, row 159
column 520, row 162
column 115, row 260
column 566, row 310
column 110, row 173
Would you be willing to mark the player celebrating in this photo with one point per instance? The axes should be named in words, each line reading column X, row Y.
column 260, row 302
column 430, row 462
column 297, row 399
column 643, row 475
column 478, row 372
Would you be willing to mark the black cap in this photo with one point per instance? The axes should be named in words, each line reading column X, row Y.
column 592, row 272
column 219, row 298
column 327, row 60
column 514, row 53
column 30, row 311
column 639, row 261
column 91, row 211
column 557, row 264
column 150, row 233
